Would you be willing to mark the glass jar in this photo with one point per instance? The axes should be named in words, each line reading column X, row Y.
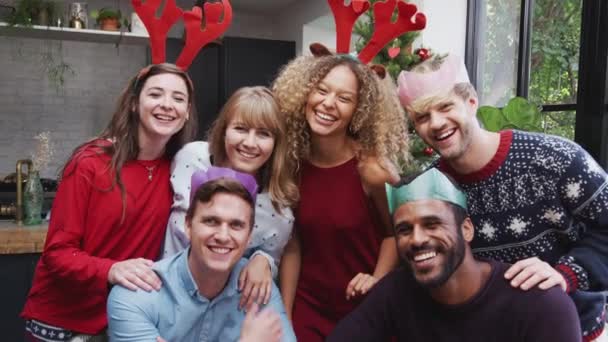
column 33, row 196
column 78, row 15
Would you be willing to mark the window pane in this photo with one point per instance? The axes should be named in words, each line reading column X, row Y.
column 497, row 49
column 560, row 123
column 556, row 31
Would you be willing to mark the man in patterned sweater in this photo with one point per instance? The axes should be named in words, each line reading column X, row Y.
column 539, row 202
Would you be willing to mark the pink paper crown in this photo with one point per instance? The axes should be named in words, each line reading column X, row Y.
column 201, row 177
column 415, row 85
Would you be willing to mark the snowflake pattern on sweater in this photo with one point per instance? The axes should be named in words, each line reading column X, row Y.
column 542, row 196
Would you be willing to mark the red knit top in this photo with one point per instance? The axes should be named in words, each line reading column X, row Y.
column 86, row 237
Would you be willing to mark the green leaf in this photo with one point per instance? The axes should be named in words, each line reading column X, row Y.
column 520, row 112
column 491, row 118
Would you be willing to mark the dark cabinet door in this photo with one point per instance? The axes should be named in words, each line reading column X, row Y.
column 204, row 72
column 16, row 273
column 249, row 62
column 220, row 69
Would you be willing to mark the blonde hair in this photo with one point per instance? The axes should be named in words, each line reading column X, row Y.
column 256, row 107
column 462, row 90
column 378, row 125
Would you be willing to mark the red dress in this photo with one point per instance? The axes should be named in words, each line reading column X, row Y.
column 340, row 235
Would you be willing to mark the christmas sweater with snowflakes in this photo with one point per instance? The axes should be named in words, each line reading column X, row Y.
column 544, row 196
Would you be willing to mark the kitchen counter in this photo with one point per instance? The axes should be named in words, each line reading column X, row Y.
column 22, row 239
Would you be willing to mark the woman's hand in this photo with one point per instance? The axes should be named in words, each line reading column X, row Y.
column 255, row 282
column 134, row 274
column 360, row 285
column 376, row 171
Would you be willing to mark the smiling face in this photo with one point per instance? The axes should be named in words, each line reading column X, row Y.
column 219, row 232
column 247, row 148
column 447, row 126
column 332, row 103
column 429, row 240
column 163, row 107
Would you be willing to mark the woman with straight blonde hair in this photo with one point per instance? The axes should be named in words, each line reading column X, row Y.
column 248, row 136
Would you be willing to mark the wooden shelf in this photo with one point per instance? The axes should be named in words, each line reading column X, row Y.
column 66, row 33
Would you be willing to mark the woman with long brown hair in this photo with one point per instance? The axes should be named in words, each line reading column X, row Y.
column 113, row 201
column 248, row 136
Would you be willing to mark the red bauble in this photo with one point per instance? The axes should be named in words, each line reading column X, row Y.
column 423, row 54
column 428, row 151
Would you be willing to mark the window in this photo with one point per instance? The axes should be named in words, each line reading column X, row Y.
column 530, row 49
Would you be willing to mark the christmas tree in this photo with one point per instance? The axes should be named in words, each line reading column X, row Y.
column 397, row 56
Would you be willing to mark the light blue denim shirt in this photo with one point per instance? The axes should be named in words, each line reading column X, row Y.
column 178, row 312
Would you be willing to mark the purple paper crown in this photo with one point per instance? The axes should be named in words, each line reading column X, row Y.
column 201, row 177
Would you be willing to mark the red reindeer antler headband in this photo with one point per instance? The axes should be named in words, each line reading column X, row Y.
column 384, row 29
column 197, row 36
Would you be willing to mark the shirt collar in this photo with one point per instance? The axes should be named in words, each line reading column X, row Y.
column 184, row 273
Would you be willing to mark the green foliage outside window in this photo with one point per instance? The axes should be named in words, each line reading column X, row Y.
column 555, row 43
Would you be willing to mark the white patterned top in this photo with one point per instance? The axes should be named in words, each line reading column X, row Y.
column 271, row 230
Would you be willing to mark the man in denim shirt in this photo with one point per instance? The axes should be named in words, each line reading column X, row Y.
column 199, row 298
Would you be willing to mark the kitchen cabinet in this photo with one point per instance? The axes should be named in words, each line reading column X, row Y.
column 234, row 62
column 16, row 273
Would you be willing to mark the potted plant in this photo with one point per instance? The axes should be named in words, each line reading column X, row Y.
column 38, row 12
column 108, row 19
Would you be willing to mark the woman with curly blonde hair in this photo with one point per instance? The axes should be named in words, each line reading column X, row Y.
column 347, row 136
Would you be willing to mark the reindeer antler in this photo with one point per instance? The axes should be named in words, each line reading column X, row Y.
column 385, row 30
column 196, row 37
column 345, row 17
column 157, row 27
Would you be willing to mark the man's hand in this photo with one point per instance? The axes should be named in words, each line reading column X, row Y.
column 264, row 326
column 134, row 274
column 530, row 272
column 360, row 285
column 255, row 282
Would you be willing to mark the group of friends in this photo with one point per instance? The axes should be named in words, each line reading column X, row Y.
column 295, row 220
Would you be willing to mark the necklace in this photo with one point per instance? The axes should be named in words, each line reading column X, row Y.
column 150, row 169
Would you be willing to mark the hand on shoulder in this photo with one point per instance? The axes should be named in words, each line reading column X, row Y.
column 375, row 171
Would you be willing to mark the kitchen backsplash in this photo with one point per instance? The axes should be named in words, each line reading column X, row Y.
column 73, row 112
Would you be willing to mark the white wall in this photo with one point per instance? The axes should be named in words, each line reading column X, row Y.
column 293, row 19
column 446, row 25
column 306, row 22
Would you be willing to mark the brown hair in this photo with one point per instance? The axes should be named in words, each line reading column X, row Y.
column 205, row 193
column 256, row 107
column 378, row 124
column 119, row 139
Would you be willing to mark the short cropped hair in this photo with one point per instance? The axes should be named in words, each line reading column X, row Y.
column 205, row 193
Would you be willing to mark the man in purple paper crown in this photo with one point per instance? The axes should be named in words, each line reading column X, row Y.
column 199, row 297
column 540, row 202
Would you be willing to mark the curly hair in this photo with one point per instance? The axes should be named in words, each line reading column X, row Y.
column 378, row 125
